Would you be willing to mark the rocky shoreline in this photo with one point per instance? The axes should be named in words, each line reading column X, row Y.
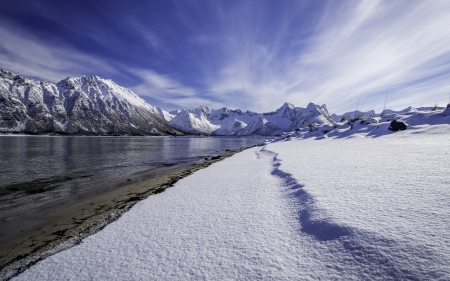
column 66, row 227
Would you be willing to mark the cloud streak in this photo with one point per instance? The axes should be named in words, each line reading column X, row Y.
column 250, row 54
column 168, row 91
column 28, row 55
column 367, row 49
column 390, row 49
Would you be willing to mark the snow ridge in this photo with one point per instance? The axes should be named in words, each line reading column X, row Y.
column 353, row 114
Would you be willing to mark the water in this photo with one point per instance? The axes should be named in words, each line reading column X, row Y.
column 36, row 170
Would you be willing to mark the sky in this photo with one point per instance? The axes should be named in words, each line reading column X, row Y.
column 252, row 55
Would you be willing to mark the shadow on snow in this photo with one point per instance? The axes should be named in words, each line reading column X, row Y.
column 374, row 256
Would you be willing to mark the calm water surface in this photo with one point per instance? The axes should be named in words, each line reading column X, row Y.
column 35, row 170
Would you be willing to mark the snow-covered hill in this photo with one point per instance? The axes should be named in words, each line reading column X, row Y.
column 365, row 203
column 353, row 114
column 362, row 126
column 371, row 113
column 224, row 121
column 82, row 105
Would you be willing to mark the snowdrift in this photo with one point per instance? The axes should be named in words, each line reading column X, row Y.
column 349, row 201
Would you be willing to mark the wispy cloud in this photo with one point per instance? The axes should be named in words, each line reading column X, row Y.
column 363, row 48
column 389, row 47
column 168, row 91
column 26, row 54
column 252, row 55
column 159, row 85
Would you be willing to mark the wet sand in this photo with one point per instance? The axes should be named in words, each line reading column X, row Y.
column 63, row 228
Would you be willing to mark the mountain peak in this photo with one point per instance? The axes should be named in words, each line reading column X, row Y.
column 204, row 109
column 227, row 121
column 7, row 74
column 287, row 105
column 311, row 106
column 76, row 105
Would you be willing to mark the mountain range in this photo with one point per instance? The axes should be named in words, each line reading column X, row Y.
column 83, row 105
column 96, row 106
column 225, row 121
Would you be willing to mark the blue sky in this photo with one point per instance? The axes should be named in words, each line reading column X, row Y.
column 253, row 55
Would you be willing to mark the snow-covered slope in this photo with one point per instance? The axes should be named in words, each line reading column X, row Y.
column 193, row 123
column 224, row 121
column 351, row 207
column 408, row 110
column 82, row 105
column 371, row 113
column 413, row 118
column 167, row 115
column 353, row 114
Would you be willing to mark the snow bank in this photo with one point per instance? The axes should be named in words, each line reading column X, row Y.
column 354, row 205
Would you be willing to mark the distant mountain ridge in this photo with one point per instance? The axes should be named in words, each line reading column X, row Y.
column 82, row 105
column 224, row 121
column 91, row 105
column 353, row 114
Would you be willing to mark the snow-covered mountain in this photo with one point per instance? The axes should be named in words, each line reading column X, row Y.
column 353, row 114
column 82, row 105
column 93, row 105
column 167, row 115
column 224, row 121
column 362, row 126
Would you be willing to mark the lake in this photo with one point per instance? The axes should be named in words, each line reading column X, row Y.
column 38, row 172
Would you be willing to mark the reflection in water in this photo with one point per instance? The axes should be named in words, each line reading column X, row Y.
column 43, row 173
column 71, row 165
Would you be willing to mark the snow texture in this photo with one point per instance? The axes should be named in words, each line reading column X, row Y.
column 337, row 206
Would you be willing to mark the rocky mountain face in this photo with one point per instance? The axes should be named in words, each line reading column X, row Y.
column 83, row 105
column 224, row 121
column 97, row 106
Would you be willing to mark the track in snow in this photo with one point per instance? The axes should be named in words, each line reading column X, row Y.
column 348, row 209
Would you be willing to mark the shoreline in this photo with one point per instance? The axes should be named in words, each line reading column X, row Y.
column 66, row 227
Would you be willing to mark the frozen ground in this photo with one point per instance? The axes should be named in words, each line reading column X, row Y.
column 350, row 204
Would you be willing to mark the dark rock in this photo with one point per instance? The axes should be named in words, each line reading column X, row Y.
column 312, row 128
column 396, row 126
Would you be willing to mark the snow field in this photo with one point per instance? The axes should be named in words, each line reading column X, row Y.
column 228, row 221
column 356, row 208
column 388, row 198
